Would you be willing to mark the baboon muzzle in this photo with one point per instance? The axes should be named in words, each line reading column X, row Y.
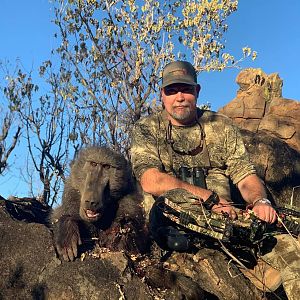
column 94, row 195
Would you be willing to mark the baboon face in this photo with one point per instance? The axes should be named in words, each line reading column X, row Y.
column 102, row 177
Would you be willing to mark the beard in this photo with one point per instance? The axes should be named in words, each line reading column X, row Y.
column 181, row 114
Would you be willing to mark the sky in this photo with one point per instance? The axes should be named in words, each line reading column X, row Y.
column 270, row 27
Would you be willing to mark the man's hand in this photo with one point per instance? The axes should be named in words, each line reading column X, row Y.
column 253, row 191
column 224, row 207
column 265, row 212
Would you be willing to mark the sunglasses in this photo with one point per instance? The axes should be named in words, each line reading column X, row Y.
column 173, row 90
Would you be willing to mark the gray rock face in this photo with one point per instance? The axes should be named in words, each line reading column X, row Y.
column 30, row 268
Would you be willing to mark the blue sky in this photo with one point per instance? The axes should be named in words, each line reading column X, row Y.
column 271, row 27
column 26, row 31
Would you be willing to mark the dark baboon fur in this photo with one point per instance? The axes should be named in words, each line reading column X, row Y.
column 98, row 201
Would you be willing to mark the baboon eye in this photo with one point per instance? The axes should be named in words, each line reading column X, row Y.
column 93, row 164
column 106, row 166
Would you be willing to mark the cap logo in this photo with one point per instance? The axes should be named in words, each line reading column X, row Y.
column 179, row 72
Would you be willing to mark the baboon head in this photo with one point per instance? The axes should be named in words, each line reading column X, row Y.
column 102, row 177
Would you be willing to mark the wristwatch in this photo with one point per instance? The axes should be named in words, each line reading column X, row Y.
column 212, row 200
column 263, row 200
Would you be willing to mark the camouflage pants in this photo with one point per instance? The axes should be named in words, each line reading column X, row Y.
column 285, row 257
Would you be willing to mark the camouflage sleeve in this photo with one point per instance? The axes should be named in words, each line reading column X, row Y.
column 144, row 150
column 238, row 161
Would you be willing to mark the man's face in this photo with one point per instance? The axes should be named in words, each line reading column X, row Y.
column 180, row 101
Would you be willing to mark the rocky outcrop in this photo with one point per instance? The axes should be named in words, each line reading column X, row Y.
column 259, row 106
column 30, row 269
column 270, row 126
column 283, row 120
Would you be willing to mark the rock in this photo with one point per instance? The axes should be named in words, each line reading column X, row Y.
column 30, row 269
column 259, row 106
column 270, row 126
column 277, row 164
column 283, row 121
column 20, row 256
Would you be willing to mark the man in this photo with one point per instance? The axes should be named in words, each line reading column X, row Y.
column 184, row 136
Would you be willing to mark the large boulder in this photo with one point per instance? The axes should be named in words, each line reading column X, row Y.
column 30, row 268
column 283, row 121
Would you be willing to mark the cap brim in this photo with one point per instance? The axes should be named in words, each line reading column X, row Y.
column 178, row 80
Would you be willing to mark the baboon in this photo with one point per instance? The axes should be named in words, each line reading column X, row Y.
column 98, row 201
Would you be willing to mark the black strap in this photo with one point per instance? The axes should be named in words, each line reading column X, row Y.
column 212, row 200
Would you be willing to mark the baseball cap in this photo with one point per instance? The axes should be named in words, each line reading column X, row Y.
column 179, row 72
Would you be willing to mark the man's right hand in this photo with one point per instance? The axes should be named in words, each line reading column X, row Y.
column 224, row 207
column 156, row 183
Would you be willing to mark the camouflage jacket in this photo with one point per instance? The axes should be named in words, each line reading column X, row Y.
column 228, row 158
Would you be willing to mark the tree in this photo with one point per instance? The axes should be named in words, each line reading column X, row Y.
column 105, row 73
column 112, row 53
column 9, row 131
column 43, row 129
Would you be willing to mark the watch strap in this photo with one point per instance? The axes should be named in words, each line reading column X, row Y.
column 212, row 200
column 262, row 200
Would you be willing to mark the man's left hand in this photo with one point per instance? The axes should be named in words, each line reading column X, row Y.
column 225, row 207
column 265, row 212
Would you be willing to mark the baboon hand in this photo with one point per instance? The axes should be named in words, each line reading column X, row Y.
column 67, row 238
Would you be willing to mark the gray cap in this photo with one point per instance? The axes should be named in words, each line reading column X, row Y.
column 179, row 72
